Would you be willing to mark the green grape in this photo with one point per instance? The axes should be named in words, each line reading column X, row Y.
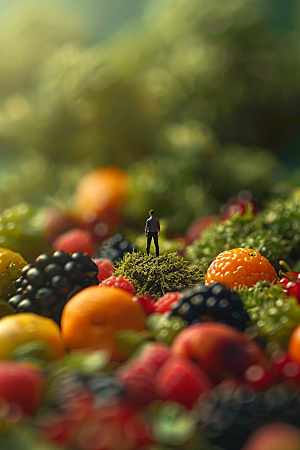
column 275, row 319
column 237, row 232
column 21, row 230
column 164, row 328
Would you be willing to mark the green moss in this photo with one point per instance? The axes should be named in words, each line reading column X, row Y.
column 157, row 276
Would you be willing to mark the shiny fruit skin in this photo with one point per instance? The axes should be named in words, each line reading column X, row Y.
column 91, row 318
column 19, row 329
column 240, row 267
column 219, row 349
column 274, row 436
column 293, row 350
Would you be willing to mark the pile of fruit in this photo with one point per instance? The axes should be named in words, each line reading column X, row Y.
column 103, row 347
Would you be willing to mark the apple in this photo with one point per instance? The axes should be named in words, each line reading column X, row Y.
column 274, row 436
column 219, row 349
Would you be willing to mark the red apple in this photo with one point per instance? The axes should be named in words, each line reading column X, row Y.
column 219, row 349
column 274, row 436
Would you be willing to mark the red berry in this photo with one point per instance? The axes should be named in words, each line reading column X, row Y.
column 243, row 203
column 182, row 381
column 155, row 354
column 21, row 385
column 166, row 302
column 258, row 377
column 138, row 375
column 75, row 240
column 290, row 282
column 105, row 268
column 288, row 278
column 284, row 368
column 120, row 283
column 138, row 382
column 147, row 302
column 194, row 231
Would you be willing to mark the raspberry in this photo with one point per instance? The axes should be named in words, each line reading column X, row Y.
column 166, row 302
column 240, row 267
column 105, row 268
column 120, row 283
column 182, row 381
column 147, row 302
column 75, row 240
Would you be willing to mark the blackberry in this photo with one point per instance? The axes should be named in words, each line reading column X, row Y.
column 211, row 303
column 228, row 414
column 114, row 248
column 105, row 388
column 45, row 286
column 65, row 387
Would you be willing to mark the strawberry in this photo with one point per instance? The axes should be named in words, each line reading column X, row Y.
column 182, row 381
column 75, row 240
column 120, row 283
column 166, row 302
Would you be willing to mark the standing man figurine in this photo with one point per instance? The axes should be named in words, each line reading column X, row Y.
column 152, row 230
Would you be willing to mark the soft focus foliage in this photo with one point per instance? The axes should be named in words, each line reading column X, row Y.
column 197, row 101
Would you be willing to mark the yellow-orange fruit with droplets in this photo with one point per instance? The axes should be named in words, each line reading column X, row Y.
column 240, row 267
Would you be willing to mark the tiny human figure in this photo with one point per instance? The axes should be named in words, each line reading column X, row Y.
column 152, row 230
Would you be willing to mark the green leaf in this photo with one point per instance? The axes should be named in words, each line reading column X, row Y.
column 173, row 424
column 130, row 340
column 85, row 362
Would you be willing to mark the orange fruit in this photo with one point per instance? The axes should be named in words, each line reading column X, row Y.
column 93, row 316
column 20, row 329
column 103, row 192
column 294, row 345
column 240, row 267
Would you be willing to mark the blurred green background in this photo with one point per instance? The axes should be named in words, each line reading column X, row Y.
column 197, row 100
